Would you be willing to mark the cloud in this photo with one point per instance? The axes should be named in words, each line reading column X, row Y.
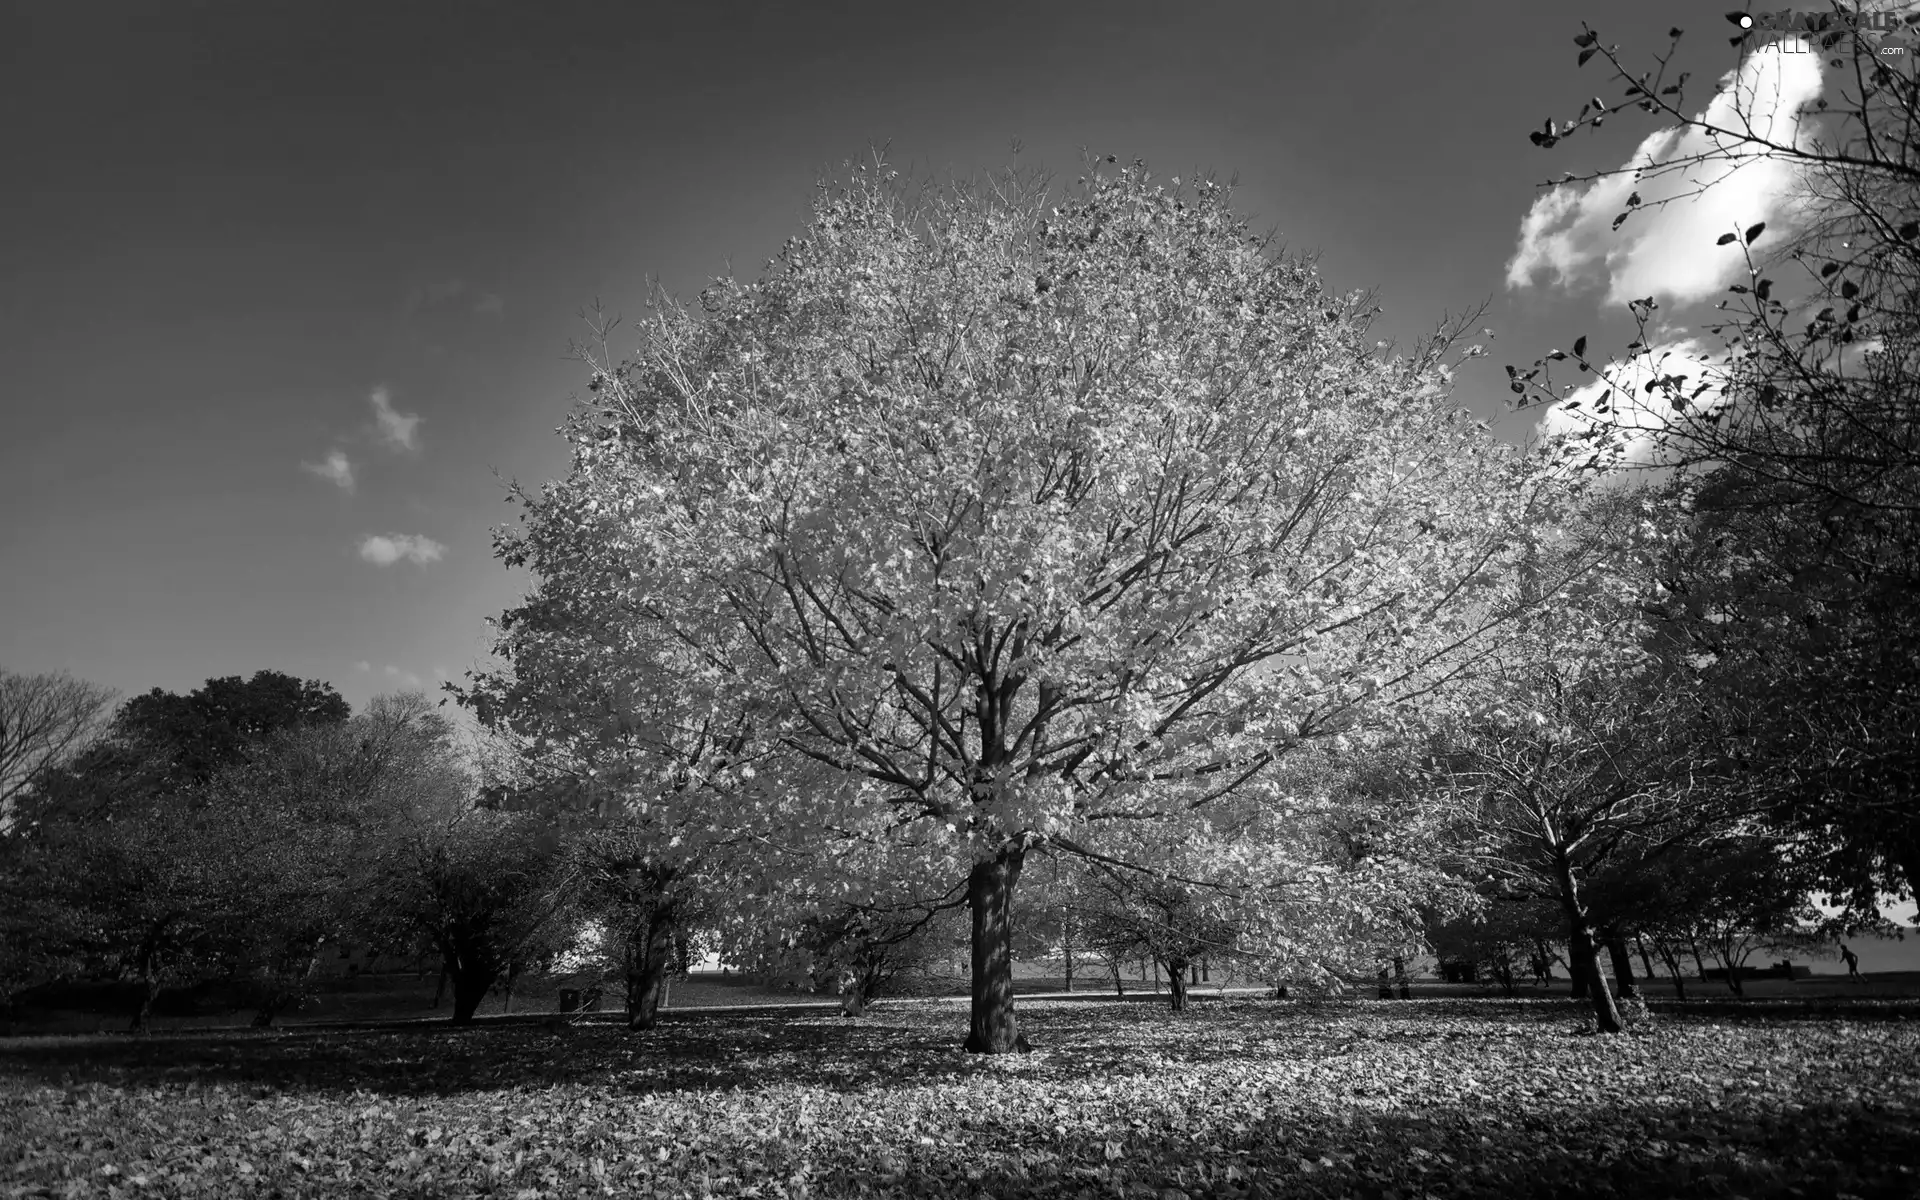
column 1668, row 251
column 1634, row 414
column 406, row 677
column 389, row 548
column 397, row 429
column 490, row 304
column 363, row 665
column 433, row 294
column 334, row 468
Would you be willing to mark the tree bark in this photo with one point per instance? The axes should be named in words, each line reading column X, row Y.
column 469, row 989
column 1066, row 948
column 1177, row 984
column 1646, row 960
column 1119, row 984
column 993, row 1028
column 1400, row 977
column 506, row 992
column 143, row 1009
column 1606, row 1012
column 1623, row 981
column 1579, row 960
column 649, row 951
column 1673, row 968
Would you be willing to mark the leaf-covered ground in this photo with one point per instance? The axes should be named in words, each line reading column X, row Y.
column 1372, row 1099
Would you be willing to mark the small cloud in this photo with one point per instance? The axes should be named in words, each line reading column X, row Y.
column 405, row 677
column 433, row 294
column 397, row 429
column 388, row 548
column 490, row 304
column 363, row 665
column 335, row 469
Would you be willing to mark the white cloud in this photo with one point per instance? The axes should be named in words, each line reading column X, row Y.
column 1669, row 251
column 335, row 469
column 490, row 304
column 389, row 548
column 363, row 665
column 399, row 676
column 397, row 429
column 1634, row 415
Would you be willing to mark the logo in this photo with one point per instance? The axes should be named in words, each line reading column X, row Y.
column 1891, row 33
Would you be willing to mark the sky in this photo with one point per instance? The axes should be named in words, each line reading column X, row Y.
column 287, row 291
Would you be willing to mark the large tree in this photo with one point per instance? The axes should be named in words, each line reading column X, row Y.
column 1028, row 516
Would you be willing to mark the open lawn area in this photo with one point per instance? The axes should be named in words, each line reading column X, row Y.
column 1237, row 1097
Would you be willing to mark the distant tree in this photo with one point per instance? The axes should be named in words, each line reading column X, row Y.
column 44, row 721
column 313, row 806
column 475, row 879
column 214, row 725
column 1126, row 917
column 1587, row 743
column 1499, row 935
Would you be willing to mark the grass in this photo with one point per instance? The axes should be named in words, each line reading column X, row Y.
column 1445, row 1097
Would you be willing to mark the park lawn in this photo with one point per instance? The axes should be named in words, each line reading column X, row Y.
column 1234, row 1098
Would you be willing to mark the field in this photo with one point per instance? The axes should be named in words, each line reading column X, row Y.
column 1236, row 1098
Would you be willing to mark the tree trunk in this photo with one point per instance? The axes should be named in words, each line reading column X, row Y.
column 1673, row 968
column 859, row 987
column 143, row 1008
column 1066, row 949
column 469, row 989
column 1119, row 984
column 1646, row 961
column 1579, row 960
column 649, row 950
column 472, row 971
column 271, row 1005
column 1698, row 965
column 506, row 991
column 993, row 1029
column 1623, row 982
column 440, row 989
column 1606, row 1013
column 1400, row 977
column 1177, row 984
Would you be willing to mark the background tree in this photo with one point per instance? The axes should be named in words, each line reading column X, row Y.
column 1501, row 936
column 477, row 880
column 216, row 725
column 1795, row 442
column 1587, row 745
column 1037, row 517
column 44, row 720
column 312, row 805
